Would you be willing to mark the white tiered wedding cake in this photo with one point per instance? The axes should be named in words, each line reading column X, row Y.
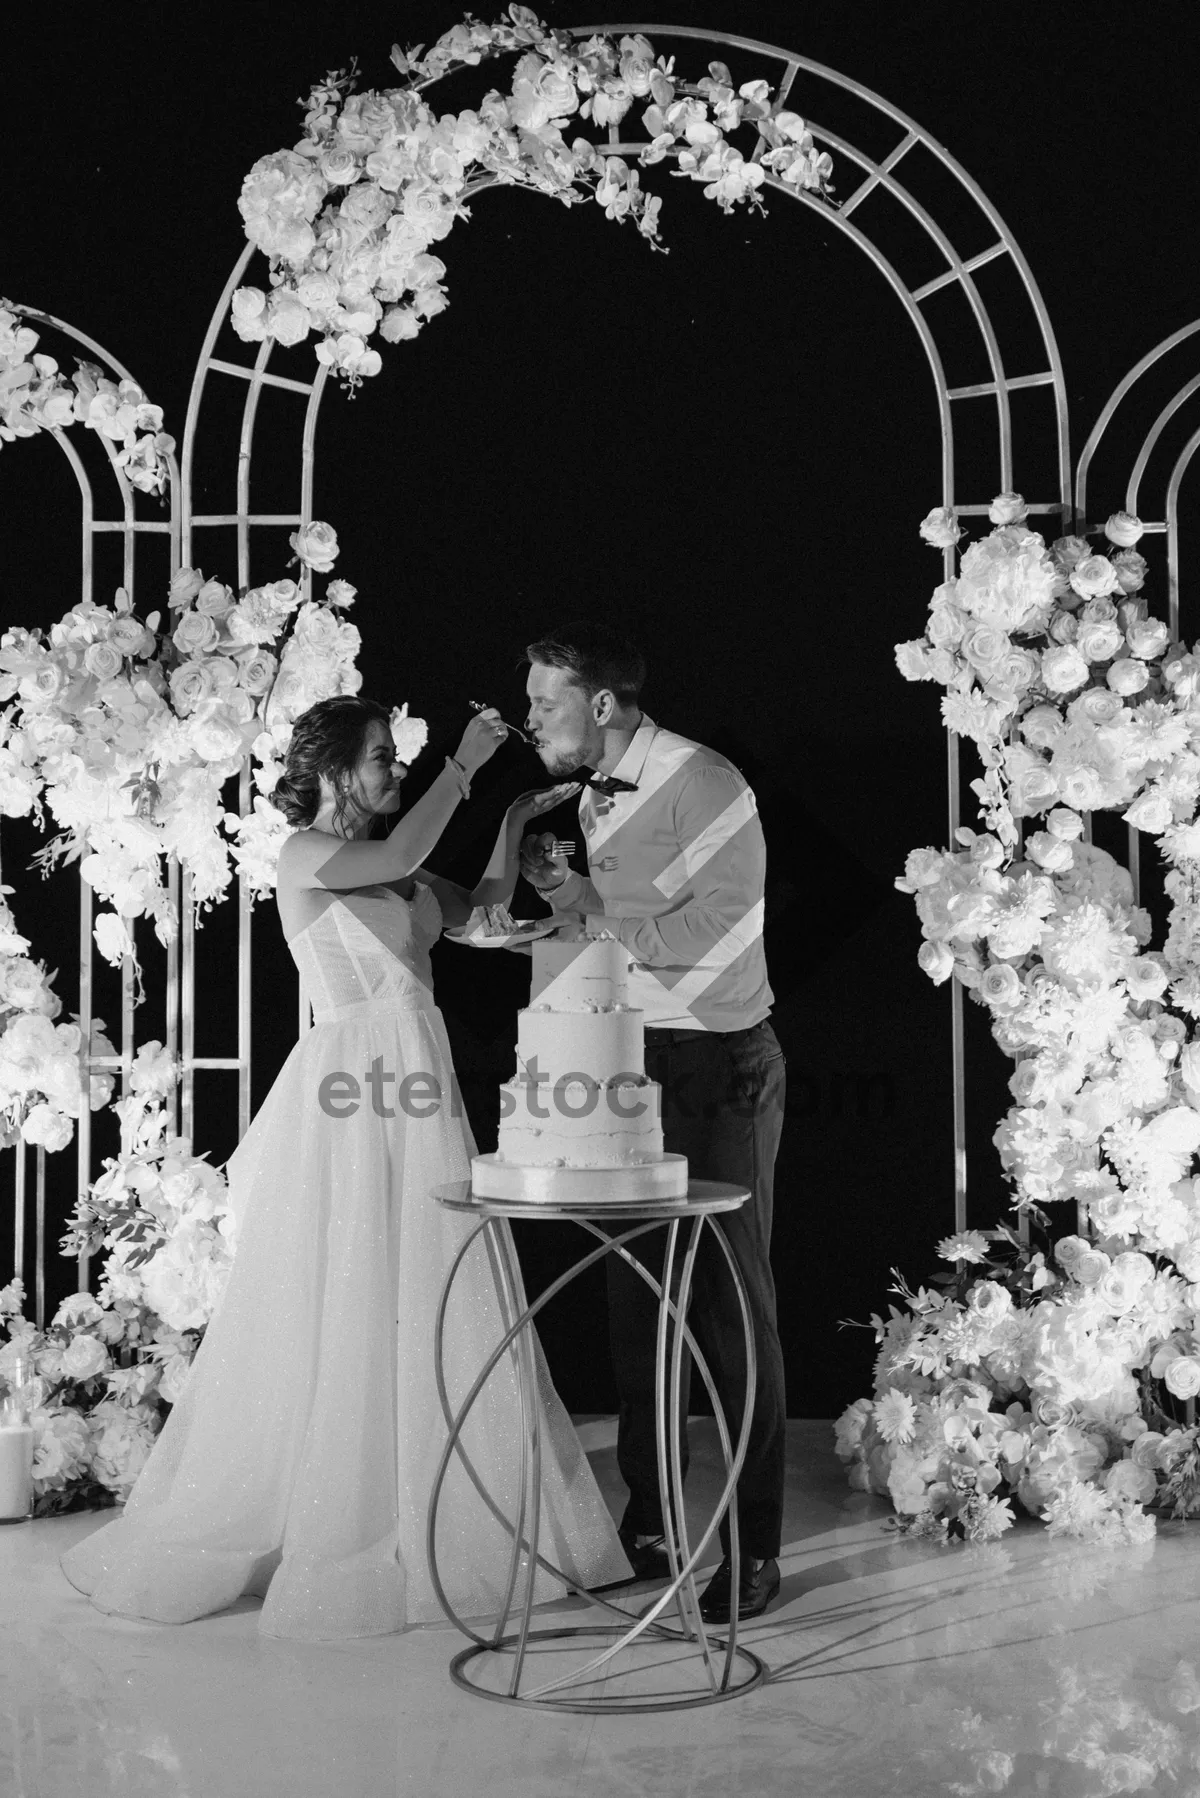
column 580, row 1120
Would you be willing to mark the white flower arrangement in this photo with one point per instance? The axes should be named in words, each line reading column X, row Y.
column 127, row 735
column 102, row 1371
column 349, row 217
column 1060, row 1386
column 41, row 1085
column 34, row 396
column 106, row 1366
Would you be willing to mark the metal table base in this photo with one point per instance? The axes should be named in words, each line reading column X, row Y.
column 727, row 1666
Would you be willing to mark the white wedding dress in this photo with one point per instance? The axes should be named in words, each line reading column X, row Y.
column 299, row 1460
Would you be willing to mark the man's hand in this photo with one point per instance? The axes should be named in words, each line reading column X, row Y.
column 540, row 868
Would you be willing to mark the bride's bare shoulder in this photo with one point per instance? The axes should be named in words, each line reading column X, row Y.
column 300, row 854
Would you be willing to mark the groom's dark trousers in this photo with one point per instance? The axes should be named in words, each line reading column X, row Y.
column 722, row 1107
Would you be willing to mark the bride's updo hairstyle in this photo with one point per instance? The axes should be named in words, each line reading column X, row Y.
column 328, row 740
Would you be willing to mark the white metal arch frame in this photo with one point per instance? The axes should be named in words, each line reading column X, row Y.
column 1157, row 471
column 880, row 176
column 130, row 527
column 1168, row 480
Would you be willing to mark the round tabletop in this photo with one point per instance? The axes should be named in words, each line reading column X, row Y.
column 703, row 1197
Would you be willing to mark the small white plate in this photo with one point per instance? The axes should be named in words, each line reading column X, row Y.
column 526, row 932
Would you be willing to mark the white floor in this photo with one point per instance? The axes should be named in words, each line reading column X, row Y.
column 1030, row 1667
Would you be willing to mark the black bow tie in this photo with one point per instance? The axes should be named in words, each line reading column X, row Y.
column 606, row 783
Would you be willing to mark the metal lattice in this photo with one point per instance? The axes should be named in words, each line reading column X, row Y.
column 882, row 178
column 130, row 526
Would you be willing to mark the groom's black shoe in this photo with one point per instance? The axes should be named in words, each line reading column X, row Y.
column 758, row 1585
column 649, row 1560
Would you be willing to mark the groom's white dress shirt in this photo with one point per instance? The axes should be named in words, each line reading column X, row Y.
column 676, row 872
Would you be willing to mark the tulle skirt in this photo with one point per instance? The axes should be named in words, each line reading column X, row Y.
column 298, row 1463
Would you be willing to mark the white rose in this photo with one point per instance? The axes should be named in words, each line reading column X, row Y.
column 1093, row 577
column 189, row 684
column 214, row 599
column 912, row 659
column 1064, row 824
column 1050, row 852
column 1000, row 985
column 1042, row 726
column 1063, row 668
column 48, row 1127
column 1062, row 628
column 1128, row 676
column 214, row 737
column 184, row 587
column 1147, row 638
column 248, row 315
column 1098, row 641
column 1123, row 529
column 1146, row 978
column 1116, row 1291
column 103, row 660
column 194, row 633
column 939, row 528
column 985, row 647
column 316, row 545
column 937, row 960
column 84, row 1357
column 1137, row 1267
column 1068, row 1250
column 1008, row 508
column 945, row 624
column 256, row 669
column 1091, row 1267
column 1098, row 705
column 400, row 323
column 288, row 322
column 130, row 637
column 338, row 166
column 1189, row 1066
column 989, row 1300
column 1132, row 570
column 1182, row 1376
column 1131, row 1481
column 23, row 984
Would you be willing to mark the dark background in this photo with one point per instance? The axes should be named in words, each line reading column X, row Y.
column 725, row 449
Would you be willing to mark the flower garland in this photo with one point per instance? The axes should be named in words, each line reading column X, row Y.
column 35, row 397
column 349, row 216
column 1058, row 1377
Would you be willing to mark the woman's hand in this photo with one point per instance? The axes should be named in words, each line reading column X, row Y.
column 481, row 739
column 527, row 806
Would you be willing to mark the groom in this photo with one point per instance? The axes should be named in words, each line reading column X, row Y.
column 676, row 861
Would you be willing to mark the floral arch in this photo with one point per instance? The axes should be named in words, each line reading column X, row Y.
column 784, row 79
column 740, row 136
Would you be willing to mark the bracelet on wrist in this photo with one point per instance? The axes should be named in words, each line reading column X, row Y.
column 461, row 776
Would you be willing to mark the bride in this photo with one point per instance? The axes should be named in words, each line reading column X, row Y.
column 299, row 1460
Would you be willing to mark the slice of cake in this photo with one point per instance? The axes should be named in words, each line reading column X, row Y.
column 580, row 1119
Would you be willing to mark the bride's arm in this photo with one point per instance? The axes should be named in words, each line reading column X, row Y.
column 498, row 880
column 496, row 884
column 316, row 858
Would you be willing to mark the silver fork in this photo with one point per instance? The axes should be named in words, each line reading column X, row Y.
column 477, row 705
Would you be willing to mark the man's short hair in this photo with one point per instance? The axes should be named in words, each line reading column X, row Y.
column 596, row 657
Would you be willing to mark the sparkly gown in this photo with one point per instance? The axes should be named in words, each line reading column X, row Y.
column 298, row 1463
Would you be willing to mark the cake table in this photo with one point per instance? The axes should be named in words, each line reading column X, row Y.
column 672, row 1617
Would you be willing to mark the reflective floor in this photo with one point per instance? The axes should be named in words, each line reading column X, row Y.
column 1028, row 1667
